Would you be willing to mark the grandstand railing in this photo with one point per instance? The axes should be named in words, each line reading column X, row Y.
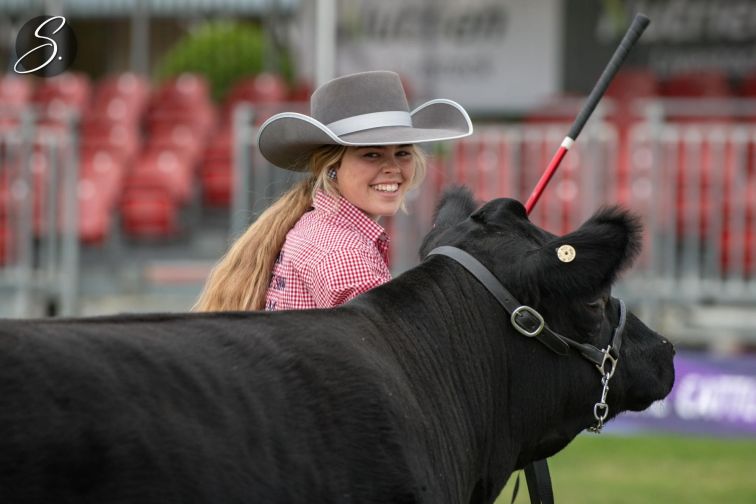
column 39, row 263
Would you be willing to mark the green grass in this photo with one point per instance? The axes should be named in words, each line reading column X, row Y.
column 649, row 469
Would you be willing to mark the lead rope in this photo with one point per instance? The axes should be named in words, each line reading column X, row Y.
column 539, row 483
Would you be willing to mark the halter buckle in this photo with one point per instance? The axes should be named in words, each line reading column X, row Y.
column 522, row 330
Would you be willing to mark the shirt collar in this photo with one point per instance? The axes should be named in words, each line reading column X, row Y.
column 350, row 214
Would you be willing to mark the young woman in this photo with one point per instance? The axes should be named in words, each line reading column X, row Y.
column 320, row 244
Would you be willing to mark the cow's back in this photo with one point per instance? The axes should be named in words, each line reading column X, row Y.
column 251, row 408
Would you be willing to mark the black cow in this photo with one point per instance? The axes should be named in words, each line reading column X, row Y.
column 419, row 391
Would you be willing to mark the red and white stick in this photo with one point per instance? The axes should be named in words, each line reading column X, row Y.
column 639, row 24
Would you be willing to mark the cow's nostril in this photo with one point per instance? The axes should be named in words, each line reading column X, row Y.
column 671, row 346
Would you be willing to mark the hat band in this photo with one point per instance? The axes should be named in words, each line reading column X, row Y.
column 368, row 121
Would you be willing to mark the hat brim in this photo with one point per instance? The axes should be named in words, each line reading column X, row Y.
column 287, row 139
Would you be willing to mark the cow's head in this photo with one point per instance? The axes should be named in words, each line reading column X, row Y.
column 574, row 297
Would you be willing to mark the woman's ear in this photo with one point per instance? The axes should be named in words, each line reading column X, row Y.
column 589, row 259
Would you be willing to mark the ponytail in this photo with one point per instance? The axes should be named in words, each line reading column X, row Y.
column 240, row 280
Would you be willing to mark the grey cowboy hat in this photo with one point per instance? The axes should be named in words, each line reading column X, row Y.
column 367, row 108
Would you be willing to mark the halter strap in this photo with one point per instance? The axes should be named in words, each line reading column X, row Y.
column 527, row 321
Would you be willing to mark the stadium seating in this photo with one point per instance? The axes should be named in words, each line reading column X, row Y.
column 178, row 121
column 265, row 92
column 63, row 97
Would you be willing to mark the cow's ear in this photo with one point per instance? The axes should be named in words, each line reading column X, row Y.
column 456, row 204
column 589, row 259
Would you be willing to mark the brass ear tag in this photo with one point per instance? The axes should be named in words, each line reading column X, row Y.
column 566, row 253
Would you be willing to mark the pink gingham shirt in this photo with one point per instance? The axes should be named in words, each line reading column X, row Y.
column 332, row 254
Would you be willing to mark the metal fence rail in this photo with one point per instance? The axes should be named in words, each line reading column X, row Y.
column 38, row 217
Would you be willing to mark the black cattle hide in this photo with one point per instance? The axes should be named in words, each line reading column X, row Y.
column 418, row 391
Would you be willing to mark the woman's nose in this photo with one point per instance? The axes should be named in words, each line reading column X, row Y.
column 391, row 164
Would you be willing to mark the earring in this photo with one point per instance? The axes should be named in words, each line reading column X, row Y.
column 331, row 173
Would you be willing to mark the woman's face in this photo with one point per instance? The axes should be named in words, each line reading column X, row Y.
column 375, row 179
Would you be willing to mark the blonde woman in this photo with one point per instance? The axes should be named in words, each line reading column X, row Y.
column 320, row 244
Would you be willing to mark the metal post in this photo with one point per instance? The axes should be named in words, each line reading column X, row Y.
column 240, row 200
column 23, row 192
column 140, row 38
column 325, row 41
column 69, row 267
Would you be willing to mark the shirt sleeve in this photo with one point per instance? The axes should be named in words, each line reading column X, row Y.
column 346, row 273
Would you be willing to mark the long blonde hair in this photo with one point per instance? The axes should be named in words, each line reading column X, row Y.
column 239, row 281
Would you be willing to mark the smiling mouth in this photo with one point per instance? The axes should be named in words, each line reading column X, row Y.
column 386, row 188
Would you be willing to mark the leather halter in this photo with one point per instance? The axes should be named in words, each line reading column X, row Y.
column 528, row 322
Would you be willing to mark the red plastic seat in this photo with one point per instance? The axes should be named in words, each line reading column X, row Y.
column 9, row 123
column 114, row 109
column 713, row 84
column 105, row 171
column 216, row 170
column 15, row 91
column 197, row 125
column 178, row 138
column 482, row 165
column 133, row 87
column 120, row 98
column 261, row 89
column 148, row 213
column 631, row 83
column 170, row 167
column 628, row 86
column 148, row 209
column 187, row 91
column 72, row 89
column 216, row 178
column 95, row 211
column 301, row 91
column 747, row 87
column 7, row 240
column 122, row 140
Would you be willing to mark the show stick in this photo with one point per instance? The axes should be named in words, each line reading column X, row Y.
column 639, row 24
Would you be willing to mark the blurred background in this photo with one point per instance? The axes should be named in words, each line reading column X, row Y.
column 123, row 179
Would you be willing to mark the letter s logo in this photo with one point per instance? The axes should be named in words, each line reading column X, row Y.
column 56, row 40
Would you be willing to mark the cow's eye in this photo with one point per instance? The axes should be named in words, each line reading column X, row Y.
column 596, row 305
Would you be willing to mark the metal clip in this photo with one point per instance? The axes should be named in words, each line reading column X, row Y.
column 608, row 357
column 522, row 330
column 601, row 408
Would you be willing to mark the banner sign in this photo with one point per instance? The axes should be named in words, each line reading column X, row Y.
column 490, row 55
column 712, row 396
column 684, row 36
